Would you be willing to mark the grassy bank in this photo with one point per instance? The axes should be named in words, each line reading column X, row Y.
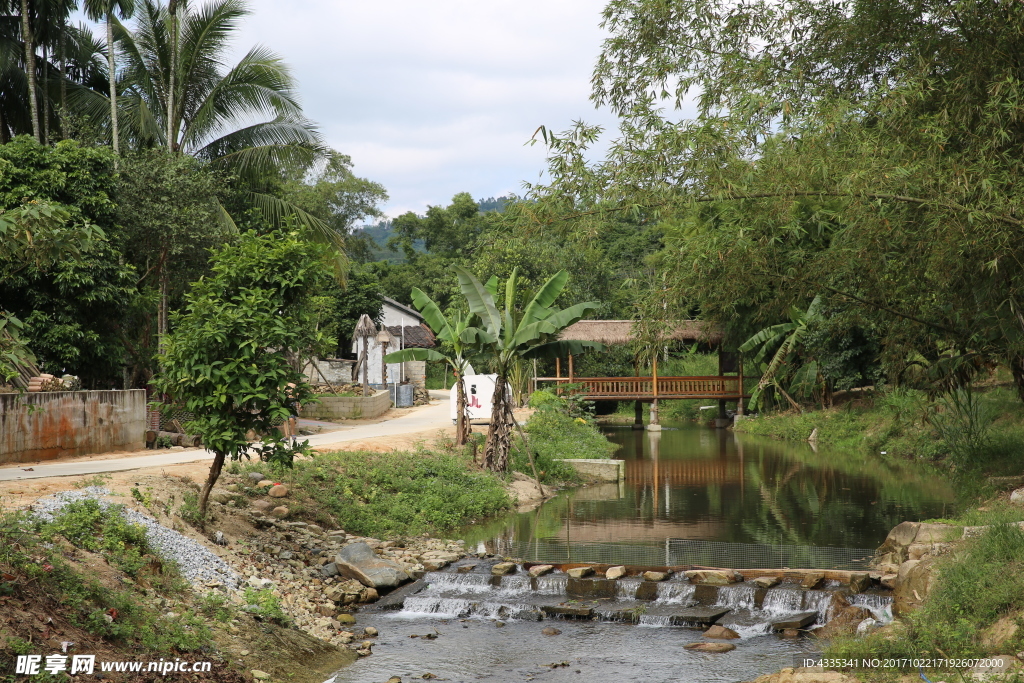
column 386, row 494
column 431, row 490
column 977, row 605
column 91, row 578
column 973, row 435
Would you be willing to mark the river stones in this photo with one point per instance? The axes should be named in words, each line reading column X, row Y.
column 579, row 572
column 721, row 632
column 434, row 564
column 713, row 577
column 766, row 581
column 256, row 477
column 370, row 632
column 812, row 580
column 656, row 576
column 358, row 561
column 615, row 572
column 465, row 568
column 503, row 568
column 859, row 581
column 262, row 505
column 278, row 491
column 260, row 675
column 550, row 631
column 710, row 647
column 220, row 496
column 540, row 570
column 265, row 484
column 280, row 512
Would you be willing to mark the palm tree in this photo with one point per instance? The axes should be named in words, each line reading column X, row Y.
column 199, row 115
column 505, row 336
column 105, row 9
column 449, row 330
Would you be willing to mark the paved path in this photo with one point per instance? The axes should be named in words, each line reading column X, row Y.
column 433, row 416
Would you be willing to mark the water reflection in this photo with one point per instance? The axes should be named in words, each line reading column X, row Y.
column 703, row 484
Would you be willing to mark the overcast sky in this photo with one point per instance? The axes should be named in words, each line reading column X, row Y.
column 435, row 98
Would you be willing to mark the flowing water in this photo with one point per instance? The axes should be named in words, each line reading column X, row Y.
column 690, row 495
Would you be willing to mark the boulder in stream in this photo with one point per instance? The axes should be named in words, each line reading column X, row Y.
column 721, row 632
column 701, row 646
column 358, row 561
column 713, row 577
column 503, row 568
column 579, row 572
column 541, row 569
column 615, row 572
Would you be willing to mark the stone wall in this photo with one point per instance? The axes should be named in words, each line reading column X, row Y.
column 47, row 425
column 336, row 370
column 348, row 407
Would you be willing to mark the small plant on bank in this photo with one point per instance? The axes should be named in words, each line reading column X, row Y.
column 87, row 525
column 266, row 605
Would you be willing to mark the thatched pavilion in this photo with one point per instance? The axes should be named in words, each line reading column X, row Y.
column 727, row 385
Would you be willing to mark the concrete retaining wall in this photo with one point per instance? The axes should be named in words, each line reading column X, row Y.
column 58, row 424
column 599, row 469
column 351, row 407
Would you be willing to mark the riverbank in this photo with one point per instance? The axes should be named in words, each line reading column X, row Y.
column 279, row 607
column 957, row 582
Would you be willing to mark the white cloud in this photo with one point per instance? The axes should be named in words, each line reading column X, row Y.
column 434, row 98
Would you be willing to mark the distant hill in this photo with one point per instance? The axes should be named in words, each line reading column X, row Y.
column 379, row 233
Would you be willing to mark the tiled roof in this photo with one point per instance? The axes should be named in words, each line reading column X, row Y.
column 416, row 336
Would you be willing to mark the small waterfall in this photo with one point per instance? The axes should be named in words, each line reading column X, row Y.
column 451, row 608
column 780, row 601
column 511, row 585
column 739, row 596
column 880, row 605
column 552, row 584
column 674, row 593
column 464, row 583
column 656, row 620
column 626, row 588
column 820, row 602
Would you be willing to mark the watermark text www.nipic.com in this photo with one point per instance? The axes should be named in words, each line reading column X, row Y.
column 32, row 665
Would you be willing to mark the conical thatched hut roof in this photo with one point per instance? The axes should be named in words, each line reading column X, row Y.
column 364, row 328
column 615, row 332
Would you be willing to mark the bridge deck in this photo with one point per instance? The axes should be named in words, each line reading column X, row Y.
column 643, row 388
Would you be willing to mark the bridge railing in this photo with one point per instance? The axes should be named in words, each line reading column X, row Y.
column 643, row 387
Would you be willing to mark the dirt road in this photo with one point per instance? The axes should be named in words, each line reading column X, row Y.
column 402, row 429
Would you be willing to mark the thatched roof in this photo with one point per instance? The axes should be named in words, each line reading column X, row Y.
column 364, row 328
column 621, row 331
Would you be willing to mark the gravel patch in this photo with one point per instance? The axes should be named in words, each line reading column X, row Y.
column 195, row 562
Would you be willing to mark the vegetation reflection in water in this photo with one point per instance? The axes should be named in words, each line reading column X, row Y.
column 696, row 483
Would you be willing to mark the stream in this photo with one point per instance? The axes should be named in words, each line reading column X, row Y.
column 691, row 495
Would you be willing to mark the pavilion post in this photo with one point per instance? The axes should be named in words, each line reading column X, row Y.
column 654, row 425
column 572, row 373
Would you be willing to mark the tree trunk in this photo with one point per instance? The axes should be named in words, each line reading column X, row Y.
column 63, row 72
column 461, row 423
column 112, row 77
column 1016, row 364
column 499, row 434
column 218, row 462
column 161, row 315
column 172, row 10
column 46, row 95
column 30, row 69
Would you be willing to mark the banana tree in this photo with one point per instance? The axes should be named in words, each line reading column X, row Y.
column 783, row 342
column 449, row 330
column 506, row 335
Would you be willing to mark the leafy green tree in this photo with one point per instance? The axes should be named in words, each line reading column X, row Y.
column 170, row 216
column 883, row 179
column 360, row 295
column 450, row 330
column 229, row 356
column 505, row 336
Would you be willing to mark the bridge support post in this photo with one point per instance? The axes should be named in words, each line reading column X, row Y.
column 654, row 425
column 722, row 421
column 638, row 415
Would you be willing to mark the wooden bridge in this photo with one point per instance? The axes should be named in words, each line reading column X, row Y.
column 726, row 388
